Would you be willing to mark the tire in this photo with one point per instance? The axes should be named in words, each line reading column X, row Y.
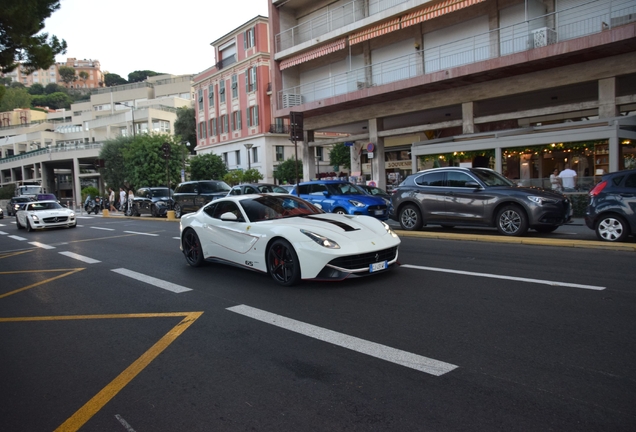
column 340, row 210
column 282, row 263
column 135, row 211
column 177, row 211
column 153, row 211
column 546, row 229
column 512, row 221
column 410, row 218
column 17, row 223
column 28, row 227
column 612, row 228
column 192, row 248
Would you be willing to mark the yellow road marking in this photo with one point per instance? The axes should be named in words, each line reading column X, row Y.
column 98, row 401
column 68, row 273
column 11, row 254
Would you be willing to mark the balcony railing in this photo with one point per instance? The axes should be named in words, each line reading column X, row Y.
column 279, row 129
column 590, row 18
column 226, row 62
column 332, row 20
column 56, row 149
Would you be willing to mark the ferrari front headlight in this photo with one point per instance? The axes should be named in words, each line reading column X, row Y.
column 388, row 229
column 321, row 240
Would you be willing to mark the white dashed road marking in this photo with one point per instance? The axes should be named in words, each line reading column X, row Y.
column 42, row 245
column 80, row 257
column 494, row 276
column 4, row 233
column 152, row 280
column 102, row 228
column 140, row 233
column 15, row 237
column 383, row 352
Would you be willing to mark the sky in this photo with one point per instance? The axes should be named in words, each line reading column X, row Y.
column 163, row 36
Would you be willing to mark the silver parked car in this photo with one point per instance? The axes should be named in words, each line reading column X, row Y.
column 453, row 196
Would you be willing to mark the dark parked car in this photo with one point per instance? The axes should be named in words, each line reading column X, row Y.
column 257, row 188
column 476, row 197
column 155, row 201
column 15, row 204
column 612, row 209
column 192, row 195
column 337, row 196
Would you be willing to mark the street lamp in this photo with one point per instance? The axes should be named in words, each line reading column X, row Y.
column 248, row 147
column 132, row 113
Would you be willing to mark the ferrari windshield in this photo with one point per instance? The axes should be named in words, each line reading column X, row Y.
column 277, row 207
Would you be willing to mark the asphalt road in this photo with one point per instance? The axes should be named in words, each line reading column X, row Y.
column 105, row 327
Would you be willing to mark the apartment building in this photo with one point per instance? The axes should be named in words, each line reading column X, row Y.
column 94, row 75
column 60, row 149
column 522, row 86
column 233, row 103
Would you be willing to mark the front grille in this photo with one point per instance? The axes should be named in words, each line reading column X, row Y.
column 377, row 207
column 354, row 262
column 55, row 219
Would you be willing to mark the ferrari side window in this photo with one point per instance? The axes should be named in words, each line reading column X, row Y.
column 209, row 210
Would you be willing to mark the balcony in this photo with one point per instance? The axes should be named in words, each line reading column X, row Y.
column 226, row 62
column 583, row 20
column 279, row 129
column 331, row 20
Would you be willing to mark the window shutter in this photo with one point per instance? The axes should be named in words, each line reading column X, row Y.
column 244, row 40
column 247, row 116
column 254, row 36
column 232, row 126
column 256, row 115
column 247, row 80
column 254, row 78
column 238, row 119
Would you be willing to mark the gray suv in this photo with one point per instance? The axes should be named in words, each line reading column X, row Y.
column 192, row 195
column 454, row 196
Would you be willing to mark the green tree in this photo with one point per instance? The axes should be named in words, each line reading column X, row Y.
column 15, row 98
column 36, row 89
column 90, row 190
column 233, row 178
column 53, row 88
column 286, row 172
column 58, row 100
column 67, row 74
column 145, row 164
column 83, row 76
column 111, row 80
column 251, row 175
column 20, row 23
column 139, row 76
column 207, row 167
column 186, row 127
column 340, row 155
column 114, row 173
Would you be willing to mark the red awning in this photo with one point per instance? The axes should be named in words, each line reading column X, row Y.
column 315, row 53
column 375, row 31
column 434, row 11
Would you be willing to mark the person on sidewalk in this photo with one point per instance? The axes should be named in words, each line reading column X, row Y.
column 555, row 181
column 122, row 199
column 568, row 178
column 111, row 199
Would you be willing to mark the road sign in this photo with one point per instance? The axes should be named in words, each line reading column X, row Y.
column 370, row 147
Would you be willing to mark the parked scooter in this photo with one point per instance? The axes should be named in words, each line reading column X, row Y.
column 92, row 205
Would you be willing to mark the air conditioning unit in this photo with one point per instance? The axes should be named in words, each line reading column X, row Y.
column 361, row 85
column 543, row 36
column 290, row 100
column 617, row 21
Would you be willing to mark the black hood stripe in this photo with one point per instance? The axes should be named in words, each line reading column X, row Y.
column 339, row 224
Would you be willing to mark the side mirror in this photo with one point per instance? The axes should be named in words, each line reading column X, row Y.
column 472, row 184
column 325, row 193
column 229, row 216
column 317, row 205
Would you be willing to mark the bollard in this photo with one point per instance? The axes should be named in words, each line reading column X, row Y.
column 105, row 213
column 171, row 215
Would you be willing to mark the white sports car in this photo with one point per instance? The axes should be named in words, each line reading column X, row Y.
column 44, row 214
column 288, row 238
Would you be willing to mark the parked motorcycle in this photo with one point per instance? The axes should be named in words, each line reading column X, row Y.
column 92, row 205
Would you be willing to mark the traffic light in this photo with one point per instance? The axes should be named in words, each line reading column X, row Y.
column 166, row 150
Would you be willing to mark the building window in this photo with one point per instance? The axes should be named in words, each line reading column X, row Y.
column 224, row 124
column 234, row 87
column 319, row 153
column 203, row 130
column 254, row 154
column 237, row 155
column 252, row 116
column 161, row 126
column 211, row 95
column 225, row 159
column 222, row 91
column 213, row 131
column 250, row 79
column 200, row 99
column 236, row 121
column 249, row 38
column 280, row 153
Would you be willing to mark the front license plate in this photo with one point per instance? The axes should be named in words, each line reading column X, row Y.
column 378, row 266
column 378, row 212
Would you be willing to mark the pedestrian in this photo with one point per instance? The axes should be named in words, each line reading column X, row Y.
column 555, row 181
column 111, row 199
column 568, row 178
column 131, row 198
column 122, row 199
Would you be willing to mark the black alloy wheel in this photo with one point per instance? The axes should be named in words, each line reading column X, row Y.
column 410, row 218
column 153, row 211
column 512, row 221
column 282, row 263
column 177, row 211
column 192, row 248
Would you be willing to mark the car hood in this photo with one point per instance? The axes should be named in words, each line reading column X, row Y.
column 352, row 227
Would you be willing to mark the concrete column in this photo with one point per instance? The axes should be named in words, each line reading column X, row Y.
column 468, row 118
column 498, row 160
column 368, row 73
column 607, row 98
column 377, row 163
column 614, row 152
column 309, row 168
column 77, row 186
column 356, row 161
